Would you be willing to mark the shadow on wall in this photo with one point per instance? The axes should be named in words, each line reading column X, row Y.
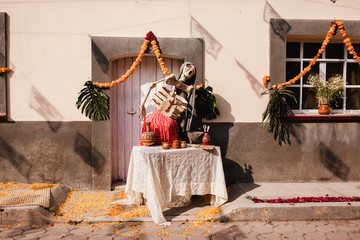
column 100, row 58
column 279, row 25
column 255, row 84
column 89, row 155
column 45, row 109
column 18, row 161
column 224, row 108
column 333, row 163
column 212, row 46
column 234, row 172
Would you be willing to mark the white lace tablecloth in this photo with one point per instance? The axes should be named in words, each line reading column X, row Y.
column 164, row 175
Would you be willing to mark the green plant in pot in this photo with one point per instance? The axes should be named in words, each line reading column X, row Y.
column 327, row 92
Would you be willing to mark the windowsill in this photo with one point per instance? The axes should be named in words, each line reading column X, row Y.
column 313, row 118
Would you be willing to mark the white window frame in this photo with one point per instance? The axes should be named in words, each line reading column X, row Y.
column 322, row 72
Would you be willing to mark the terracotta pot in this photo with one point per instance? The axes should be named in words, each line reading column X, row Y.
column 176, row 144
column 324, row 109
column 165, row 145
column 148, row 137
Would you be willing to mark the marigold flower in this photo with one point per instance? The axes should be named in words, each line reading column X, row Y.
column 197, row 87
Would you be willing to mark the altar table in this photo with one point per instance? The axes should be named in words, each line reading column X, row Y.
column 168, row 178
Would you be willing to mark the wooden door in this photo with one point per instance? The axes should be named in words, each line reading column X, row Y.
column 125, row 100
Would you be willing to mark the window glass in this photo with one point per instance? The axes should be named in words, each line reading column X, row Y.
column 309, row 99
column 293, row 50
column 353, row 98
column 314, row 70
column 333, row 69
column 291, row 102
column 353, row 74
column 311, row 49
column 292, row 70
column 335, row 51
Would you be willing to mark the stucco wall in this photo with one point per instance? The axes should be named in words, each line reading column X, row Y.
column 50, row 46
column 49, row 52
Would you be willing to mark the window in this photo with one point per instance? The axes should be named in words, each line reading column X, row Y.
column 290, row 54
column 335, row 60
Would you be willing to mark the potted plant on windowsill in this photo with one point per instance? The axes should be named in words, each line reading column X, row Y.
column 327, row 92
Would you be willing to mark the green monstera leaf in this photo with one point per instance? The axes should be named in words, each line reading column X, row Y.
column 205, row 103
column 94, row 103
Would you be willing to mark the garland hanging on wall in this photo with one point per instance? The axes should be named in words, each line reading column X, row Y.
column 338, row 24
column 278, row 108
column 94, row 103
column 5, row 69
column 150, row 38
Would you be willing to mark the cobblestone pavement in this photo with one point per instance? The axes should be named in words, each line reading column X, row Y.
column 197, row 230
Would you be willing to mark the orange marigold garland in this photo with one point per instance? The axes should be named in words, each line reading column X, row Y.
column 335, row 25
column 150, row 38
column 6, row 69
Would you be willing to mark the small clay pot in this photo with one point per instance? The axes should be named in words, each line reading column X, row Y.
column 165, row 145
column 183, row 144
column 324, row 109
column 148, row 137
column 176, row 144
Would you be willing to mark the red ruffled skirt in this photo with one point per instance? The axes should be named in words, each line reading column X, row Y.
column 165, row 128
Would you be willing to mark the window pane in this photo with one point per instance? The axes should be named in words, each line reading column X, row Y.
column 292, row 70
column 293, row 50
column 356, row 48
column 353, row 74
column 335, row 51
column 309, row 100
column 337, row 104
column 352, row 98
column 311, row 49
column 291, row 102
column 334, row 68
column 314, row 70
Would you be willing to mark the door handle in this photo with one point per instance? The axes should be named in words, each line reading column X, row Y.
column 132, row 113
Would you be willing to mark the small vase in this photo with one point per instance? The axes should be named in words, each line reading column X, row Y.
column 176, row 144
column 206, row 139
column 148, row 138
column 324, row 109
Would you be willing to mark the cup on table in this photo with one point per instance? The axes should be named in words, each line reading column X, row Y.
column 176, row 144
column 165, row 145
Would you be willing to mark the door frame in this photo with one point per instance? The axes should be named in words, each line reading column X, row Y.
column 105, row 48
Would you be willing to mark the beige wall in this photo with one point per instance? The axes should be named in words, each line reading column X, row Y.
column 49, row 46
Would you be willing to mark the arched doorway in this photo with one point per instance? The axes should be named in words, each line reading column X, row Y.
column 125, row 100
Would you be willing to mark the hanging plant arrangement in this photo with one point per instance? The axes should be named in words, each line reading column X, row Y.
column 95, row 103
column 277, row 109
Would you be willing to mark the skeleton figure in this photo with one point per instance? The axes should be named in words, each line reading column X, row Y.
column 170, row 103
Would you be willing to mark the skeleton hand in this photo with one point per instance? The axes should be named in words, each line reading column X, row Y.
column 142, row 115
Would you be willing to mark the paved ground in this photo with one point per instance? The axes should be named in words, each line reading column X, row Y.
column 197, row 230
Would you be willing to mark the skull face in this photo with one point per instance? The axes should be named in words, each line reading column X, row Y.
column 189, row 71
